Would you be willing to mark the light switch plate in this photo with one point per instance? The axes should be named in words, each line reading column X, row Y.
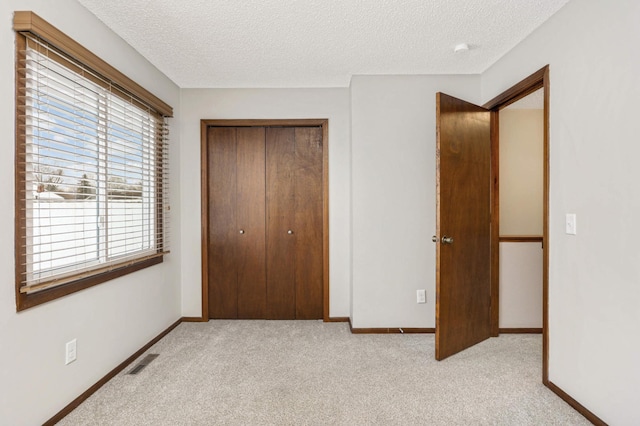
column 421, row 296
column 70, row 354
column 570, row 224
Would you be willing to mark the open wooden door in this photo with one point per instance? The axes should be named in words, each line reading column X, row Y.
column 463, row 219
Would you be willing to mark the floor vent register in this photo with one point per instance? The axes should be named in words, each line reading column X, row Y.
column 143, row 363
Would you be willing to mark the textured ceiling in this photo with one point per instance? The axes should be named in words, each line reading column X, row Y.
column 318, row 43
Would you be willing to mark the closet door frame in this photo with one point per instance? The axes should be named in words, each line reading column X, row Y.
column 204, row 175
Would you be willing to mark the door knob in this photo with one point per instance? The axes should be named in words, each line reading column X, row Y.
column 242, row 231
column 447, row 240
column 434, row 239
column 289, row 232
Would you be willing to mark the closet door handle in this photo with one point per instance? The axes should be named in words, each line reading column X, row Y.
column 242, row 231
column 290, row 232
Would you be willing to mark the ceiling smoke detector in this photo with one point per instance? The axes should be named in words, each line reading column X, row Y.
column 462, row 47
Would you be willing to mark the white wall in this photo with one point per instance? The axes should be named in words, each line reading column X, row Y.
column 112, row 320
column 393, row 195
column 594, row 277
column 332, row 104
column 520, row 285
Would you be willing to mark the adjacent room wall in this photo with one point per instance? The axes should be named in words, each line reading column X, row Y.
column 332, row 104
column 521, row 167
column 594, row 277
column 520, row 285
column 393, row 195
column 110, row 321
column 521, row 208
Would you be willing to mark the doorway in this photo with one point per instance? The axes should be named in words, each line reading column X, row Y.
column 520, row 202
column 264, row 219
column 454, row 333
column 536, row 81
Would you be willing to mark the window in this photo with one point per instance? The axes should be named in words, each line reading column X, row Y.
column 92, row 169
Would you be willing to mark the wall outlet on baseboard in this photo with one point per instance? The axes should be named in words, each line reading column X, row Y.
column 70, row 353
column 421, row 296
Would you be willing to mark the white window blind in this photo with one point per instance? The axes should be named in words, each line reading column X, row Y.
column 93, row 166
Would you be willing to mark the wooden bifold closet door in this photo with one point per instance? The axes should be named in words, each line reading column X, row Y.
column 265, row 222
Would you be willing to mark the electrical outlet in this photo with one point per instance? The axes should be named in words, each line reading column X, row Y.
column 421, row 296
column 70, row 354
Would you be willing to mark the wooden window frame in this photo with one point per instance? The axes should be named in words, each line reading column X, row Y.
column 27, row 23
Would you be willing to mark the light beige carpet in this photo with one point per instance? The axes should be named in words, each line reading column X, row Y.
column 314, row 373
